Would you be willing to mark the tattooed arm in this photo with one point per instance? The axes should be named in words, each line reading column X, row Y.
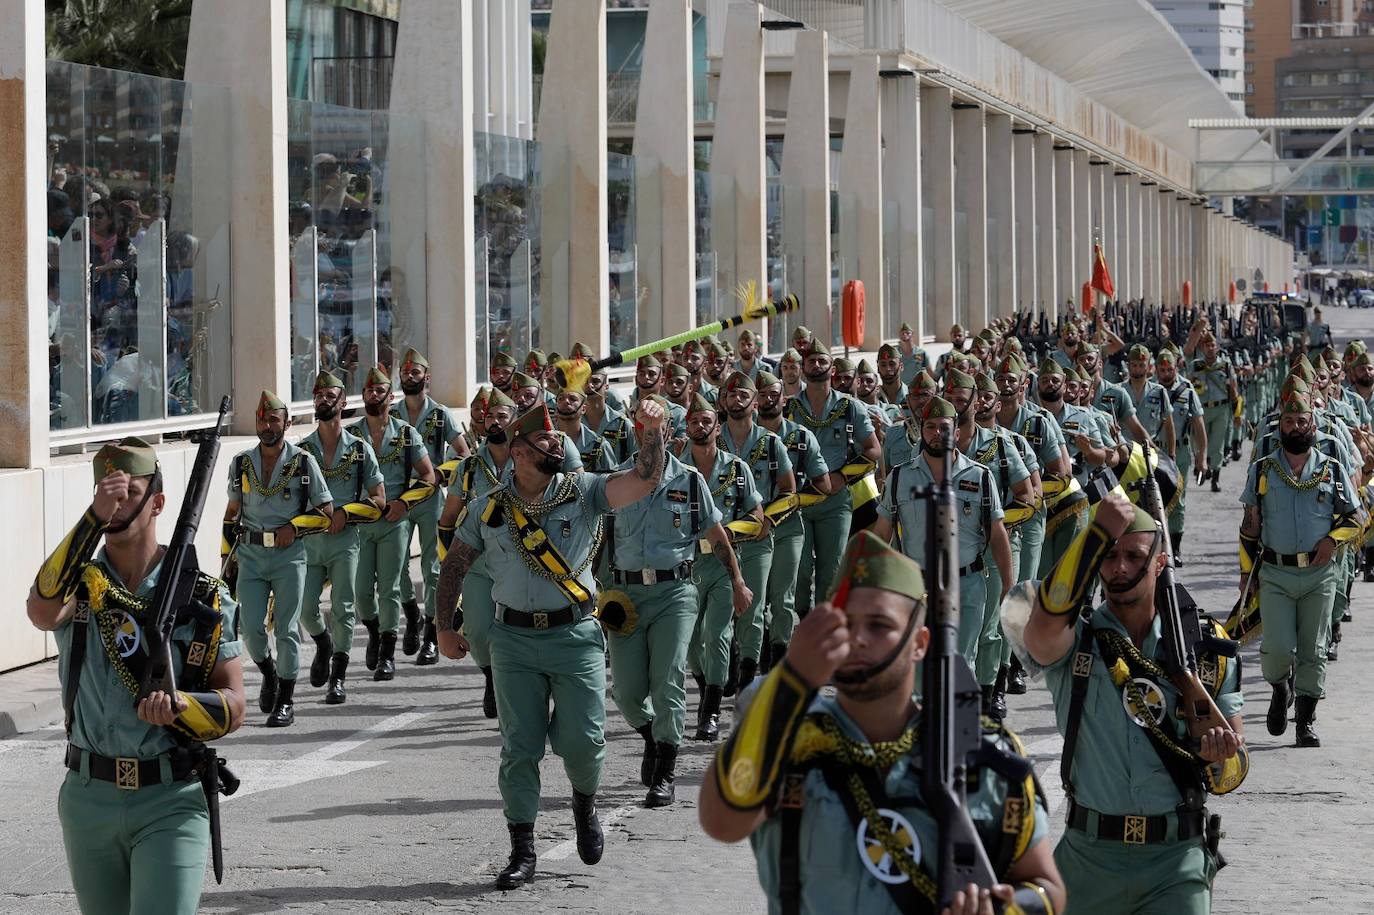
column 449, row 618
column 629, row 486
column 721, row 548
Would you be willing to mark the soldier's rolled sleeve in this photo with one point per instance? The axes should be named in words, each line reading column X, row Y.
column 319, row 493
column 887, row 505
column 470, row 524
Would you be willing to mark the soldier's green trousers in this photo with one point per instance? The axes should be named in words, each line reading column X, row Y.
column 756, row 564
column 424, row 518
column 1295, row 609
column 1345, row 561
column 479, row 612
column 1057, row 541
column 280, row 573
column 781, row 609
column 973, row 589
column 647, row 664
column 333, row 557
column 381, row 563
column 1218, row 422
column 1032, row 543
column 1185, row 471
column 708, row 651
column 1167, row 878
column 825, row 531
column 530, row 668
column 134, row 852
column 994, row 650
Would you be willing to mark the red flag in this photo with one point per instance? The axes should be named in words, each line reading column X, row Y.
column 1102, row 278
column 1087, row 295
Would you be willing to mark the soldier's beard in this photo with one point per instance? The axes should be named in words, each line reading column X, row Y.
column 1051, row 396
column 738, row 413
column 412, row 387
column 270, row 438
column 771, row 412
column 375, row 409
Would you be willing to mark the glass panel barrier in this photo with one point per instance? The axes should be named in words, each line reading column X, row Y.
column 305, row 333
column 70, row 354
column 620, row 238
column 481, row 282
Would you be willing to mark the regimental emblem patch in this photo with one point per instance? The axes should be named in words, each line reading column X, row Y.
column 876, row 858
column 1154, row 705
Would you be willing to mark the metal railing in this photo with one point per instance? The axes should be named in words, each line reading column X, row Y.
column 352, row 82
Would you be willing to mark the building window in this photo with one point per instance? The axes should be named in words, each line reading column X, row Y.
column 1249, row 47
column 1249, row 88
column 1249, row 25
column 1249, row 66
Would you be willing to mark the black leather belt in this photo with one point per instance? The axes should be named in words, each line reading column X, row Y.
column 972, row 567
column 259, row 538
column 681, row 572
column 1292, row 560
column 1214, row 403
column 130, row 773
column 544, row 619
column 1135, row 830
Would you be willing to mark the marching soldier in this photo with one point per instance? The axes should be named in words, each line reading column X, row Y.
column 502, row 370
column 591, row 449
column 354, row 479
column 1214, row 379
column 613, row 400
column 409, row 480
column 726, row 576
column 133, row 812
column 608, row 420
column 914, row 358
column 751, row 357
column 1317, row 332
column 1139, row 838
column 269, row 486
column 813, row 483
column 980, row 516
column 790, row 371
column 882, row 413
column 769, row 460
column 649, row 380
column 1191, row 447
column 439, row 431
column 1067, row 512
column 1300, row 507
column 479, row 474
column 845, row 435
column 527, row 394
column 903, row 447
column 693, row 360
column 957, row 339
column 1112, row 399
column 842, row 371
column 539, row 531
column 893, row 385
column 677, row 386
column 807, row 775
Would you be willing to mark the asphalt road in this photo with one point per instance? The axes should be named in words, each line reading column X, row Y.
column 389, row 803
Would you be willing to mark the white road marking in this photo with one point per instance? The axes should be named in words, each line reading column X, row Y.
column 7, row 746
column 258, row 775
column 1051, row 747
column 566, row 848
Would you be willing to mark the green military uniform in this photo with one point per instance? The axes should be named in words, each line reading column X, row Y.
column 1296, row 512
column 350, row 472
column 1186, row 407
column 1212, row 381
column 1046, row 440
column 382, row 544
column 789, row 537
column 437, row 429
column 914, row 363
column 769, row 460
column 650, row 610
column 840, row 427
column 134, row 819
column 1001, row 453
column 477, row 476
column 1068, row 513
column 593, row 452
column 979, row 504
column 617, row 431
column 295, row 487
column 545, row 642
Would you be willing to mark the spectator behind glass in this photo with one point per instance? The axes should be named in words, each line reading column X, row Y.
column 59, row 213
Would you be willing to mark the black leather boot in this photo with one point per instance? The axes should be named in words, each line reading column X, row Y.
column 1216, row 480
column 1176, row 547
column 1307, row 716
column 591, row 842
column 1334, row 640
column 429, row 646
column 284, row 712
column 708, row 719
column 386, row 658
column 1016, row 677
column 319, row 668
column 1276, row 719
column 267, row 693
column 1369, row 563
column 1235, row 451
column 488, row 694
column 520, row 867
column 661, row 791
column 732, row 672
column 765, row 657
column 700, row 681
column 374, row 635
column 337, row 670
column 646, row 762
column 748, row 670
column 411, row 642
column 998, row 706
column 779, row 652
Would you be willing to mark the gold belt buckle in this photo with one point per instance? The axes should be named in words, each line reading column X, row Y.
column 1135, row 830
column 541, row 621
column 1303, row 560
column 126, row 773
column 269, row 539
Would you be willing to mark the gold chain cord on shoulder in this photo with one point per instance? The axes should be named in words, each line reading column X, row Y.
column 287, row 475
column 566, row 492
column 1136, row 662
column 109, row 602
column 877, row 828
column 341, row 469
column 805, row 419
column 1300, row 485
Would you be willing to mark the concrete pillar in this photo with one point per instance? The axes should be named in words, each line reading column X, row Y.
column 739, row 191
column 1149, row 238
column 1126, row 287
column 432, row 30
column 902, row 167
column 1026, row 289
column 1046, row 224
column 1110, row 243
column 575, row 261
column 806, row 180
column 937, row 184
column 23, row 274
column 1065, row 223
column 861, row 193
column 1166, row 237
column 665, row 181
column 971, row 199
column 1083, row 222
column 1003, row 259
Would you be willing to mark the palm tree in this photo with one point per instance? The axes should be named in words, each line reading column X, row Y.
column 142, row 36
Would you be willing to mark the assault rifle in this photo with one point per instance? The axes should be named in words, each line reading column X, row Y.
column 951, row 728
